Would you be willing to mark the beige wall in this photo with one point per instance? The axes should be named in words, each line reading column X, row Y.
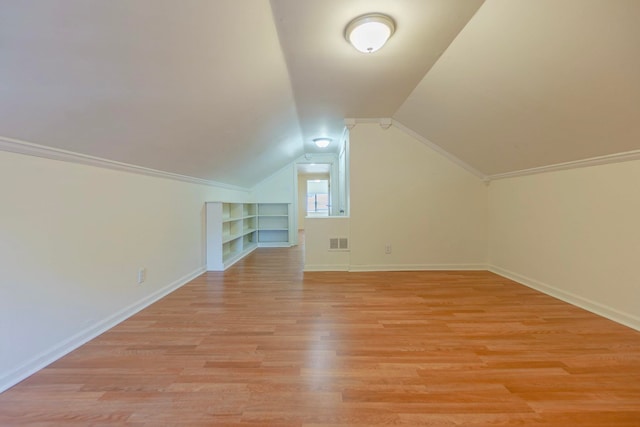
column 72, row 238
column 574, row 234
column 431, row 211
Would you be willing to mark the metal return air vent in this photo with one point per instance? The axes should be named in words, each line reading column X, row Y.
column 338, row 244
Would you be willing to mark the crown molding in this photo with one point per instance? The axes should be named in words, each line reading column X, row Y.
column 30, row 149
column 440, row 150
column 386, row 122
column 350, row 123
column 592, row 161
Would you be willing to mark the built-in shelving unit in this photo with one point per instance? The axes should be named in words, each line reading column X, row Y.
column 273, row 224
column 236, row 229
column 231, row 233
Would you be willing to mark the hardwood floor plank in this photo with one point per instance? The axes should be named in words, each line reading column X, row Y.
column 266, row 344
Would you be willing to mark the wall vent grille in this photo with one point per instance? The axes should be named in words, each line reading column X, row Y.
column 338, row 244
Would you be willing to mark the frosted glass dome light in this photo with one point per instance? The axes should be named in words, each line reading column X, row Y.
column 368, row 33
column 322, row 142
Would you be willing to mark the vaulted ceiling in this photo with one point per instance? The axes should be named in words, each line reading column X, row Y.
column 232, row 90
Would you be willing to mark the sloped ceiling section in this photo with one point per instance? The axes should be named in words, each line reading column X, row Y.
column 331, row 80
column 193, row 87
column 233, row 90
column 530, row 83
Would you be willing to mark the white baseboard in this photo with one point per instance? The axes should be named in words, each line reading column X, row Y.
column 49, row 356
column 589, row 305
column 326, row 267
column 417, row 267
column 274, row 245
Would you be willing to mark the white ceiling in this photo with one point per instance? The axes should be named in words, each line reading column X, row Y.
column 232, row 90
column 313, row 168
column 331, row 80
column 194, row 87
column 531, row 83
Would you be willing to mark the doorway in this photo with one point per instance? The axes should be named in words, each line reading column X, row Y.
column 314, row 191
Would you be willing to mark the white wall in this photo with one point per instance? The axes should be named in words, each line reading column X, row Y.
column 431, row 211
column 72, row 238
column 574, row 234
column 317, row 256
column 277, row 188
column 281, row 187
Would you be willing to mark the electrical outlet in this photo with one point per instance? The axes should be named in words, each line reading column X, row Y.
column 387, row 248
column 142, row 275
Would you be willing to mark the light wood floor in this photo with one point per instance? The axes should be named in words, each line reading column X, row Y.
column 265, row 344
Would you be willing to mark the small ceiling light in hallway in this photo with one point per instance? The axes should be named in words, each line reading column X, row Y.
column 368, row 33
column 322, row 142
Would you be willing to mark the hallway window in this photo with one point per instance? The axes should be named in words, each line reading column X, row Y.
column 318, row 197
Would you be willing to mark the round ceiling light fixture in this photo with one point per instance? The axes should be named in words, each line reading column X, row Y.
column 368, row 33
column 322, row 142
